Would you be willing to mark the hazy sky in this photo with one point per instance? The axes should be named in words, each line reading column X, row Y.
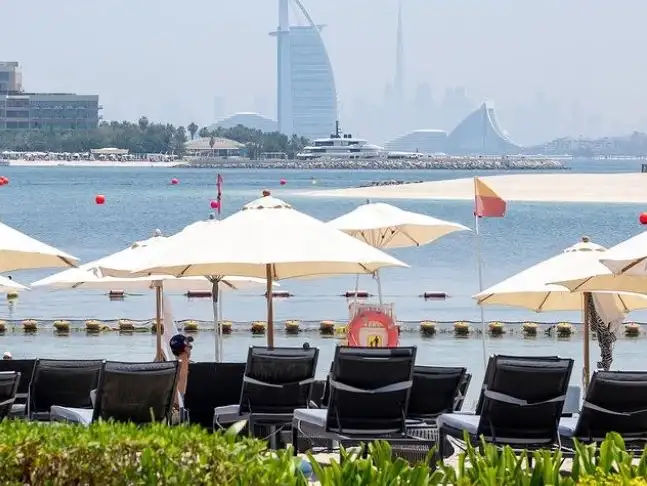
column 169, row 60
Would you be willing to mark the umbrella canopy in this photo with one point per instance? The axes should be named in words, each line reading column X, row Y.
column 622, row 268
column 8, row 285
column 534, row 288
column 385, row 226
column 21, row 252
column 268, row 236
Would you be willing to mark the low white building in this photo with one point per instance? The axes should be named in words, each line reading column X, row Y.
column 214, row 147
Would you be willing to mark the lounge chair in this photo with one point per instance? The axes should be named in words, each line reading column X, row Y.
column 276, row 382
column 26, row 369
column 211, row 385
column 616, row 401
column 128, row 392
column 435, row 390
column 66, row 383
column 369, row 397
column 8, row 387
column 521, row 405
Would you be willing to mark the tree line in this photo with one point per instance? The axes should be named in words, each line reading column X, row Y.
column 145, row 137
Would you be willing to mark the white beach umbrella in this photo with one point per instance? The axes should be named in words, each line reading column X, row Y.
column 21, row 252
column 386, row 226
column 267, row 238
column 9, row 285
column 90, row 276
column 622, row 268
column 534, row 289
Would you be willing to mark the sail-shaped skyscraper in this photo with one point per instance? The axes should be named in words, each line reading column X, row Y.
column 306, row 93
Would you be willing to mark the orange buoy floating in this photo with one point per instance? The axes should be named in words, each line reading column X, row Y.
column 175, row 181
column 360, row 294
column 283, row 182
column 198, row 294
column 434, row 295
column 100, row 199
column 374, row 329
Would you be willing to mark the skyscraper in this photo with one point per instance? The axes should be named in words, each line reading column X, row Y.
column 306, row 94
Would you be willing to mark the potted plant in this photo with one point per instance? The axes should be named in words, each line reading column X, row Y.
column 461, row 329
column 327, row 328
column 428, row 328
column 30, row 325
column 259, row 327
column 529, row 328
column 292, row 327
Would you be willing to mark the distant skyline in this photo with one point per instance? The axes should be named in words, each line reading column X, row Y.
column 552, row 68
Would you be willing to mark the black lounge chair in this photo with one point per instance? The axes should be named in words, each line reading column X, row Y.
column 276, row 382
column 9, row 381
column 616, row 401
column 128, row 392
column 436, row 390
column 521, row 406
column 211, row 385
column 369, row 397
column 66, row 383
column 26, row 369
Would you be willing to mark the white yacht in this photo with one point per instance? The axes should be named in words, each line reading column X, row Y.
column 341, row 146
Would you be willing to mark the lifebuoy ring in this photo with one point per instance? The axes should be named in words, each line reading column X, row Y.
column 372, row 329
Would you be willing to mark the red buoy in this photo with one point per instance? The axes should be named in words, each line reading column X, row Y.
column 214, row 204
column 283, row 182
column 643, row 218
column 100, row 199
column 175, row 181
column 4, row 180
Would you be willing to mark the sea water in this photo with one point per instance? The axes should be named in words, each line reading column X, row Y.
column 57, row 205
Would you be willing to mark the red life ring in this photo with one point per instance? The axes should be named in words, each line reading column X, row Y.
column 372, row 329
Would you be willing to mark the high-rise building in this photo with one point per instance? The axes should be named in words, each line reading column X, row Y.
column 306, row 94
column 42, row 111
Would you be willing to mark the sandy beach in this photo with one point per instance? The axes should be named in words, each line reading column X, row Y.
column 563, row 187
column 89, row 163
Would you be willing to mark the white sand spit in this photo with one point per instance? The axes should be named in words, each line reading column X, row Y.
column 583, row 188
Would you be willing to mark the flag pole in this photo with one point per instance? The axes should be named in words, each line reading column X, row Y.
column 479, row 271
column 216, row 294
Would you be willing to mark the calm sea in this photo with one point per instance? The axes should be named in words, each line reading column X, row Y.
column 57, row 206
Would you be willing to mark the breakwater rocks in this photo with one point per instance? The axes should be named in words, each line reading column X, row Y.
column 427, row 163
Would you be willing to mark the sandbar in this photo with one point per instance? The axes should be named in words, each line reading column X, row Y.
column 576, row 188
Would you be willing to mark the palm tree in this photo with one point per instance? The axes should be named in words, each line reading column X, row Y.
column 204, row 132
column 193, row 129
column 143, row 123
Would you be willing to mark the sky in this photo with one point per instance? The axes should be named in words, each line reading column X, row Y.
column 570, row 66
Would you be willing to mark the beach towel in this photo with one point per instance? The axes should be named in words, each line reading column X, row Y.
column 605, row 319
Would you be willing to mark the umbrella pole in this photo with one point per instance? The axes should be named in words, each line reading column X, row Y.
column 216, row 322
column 220, row 344
column 379, row 287
column 159, row 356
column 270, row 306
column 586, row 315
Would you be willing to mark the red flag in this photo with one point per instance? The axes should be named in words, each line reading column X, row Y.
column 219, row 198
column 488, row 204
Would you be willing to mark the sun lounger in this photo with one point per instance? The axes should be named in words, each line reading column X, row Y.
column 369, row 397
column 616, row 401
column 8, row 387
column 521, row 404
column 212, row 385
column 26, row 369
column 276, row 382
column 128, row 392
column 66, row 383
column 435, row 390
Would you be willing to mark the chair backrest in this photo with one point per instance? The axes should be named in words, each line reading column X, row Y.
column 23, row 366
column 462, row 392
column 369, row 390
column 66, row 383
column 523, row 401
column 136, row 392
column 9, row 381
column 616, row 401
column 489, row 369
column 278, row 380
column 434, row 391
column 212, row 385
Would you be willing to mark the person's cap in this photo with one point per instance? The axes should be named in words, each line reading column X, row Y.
column 179, row 343
column 7, row 355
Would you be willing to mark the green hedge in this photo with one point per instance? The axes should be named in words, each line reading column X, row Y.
column 122, row 454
